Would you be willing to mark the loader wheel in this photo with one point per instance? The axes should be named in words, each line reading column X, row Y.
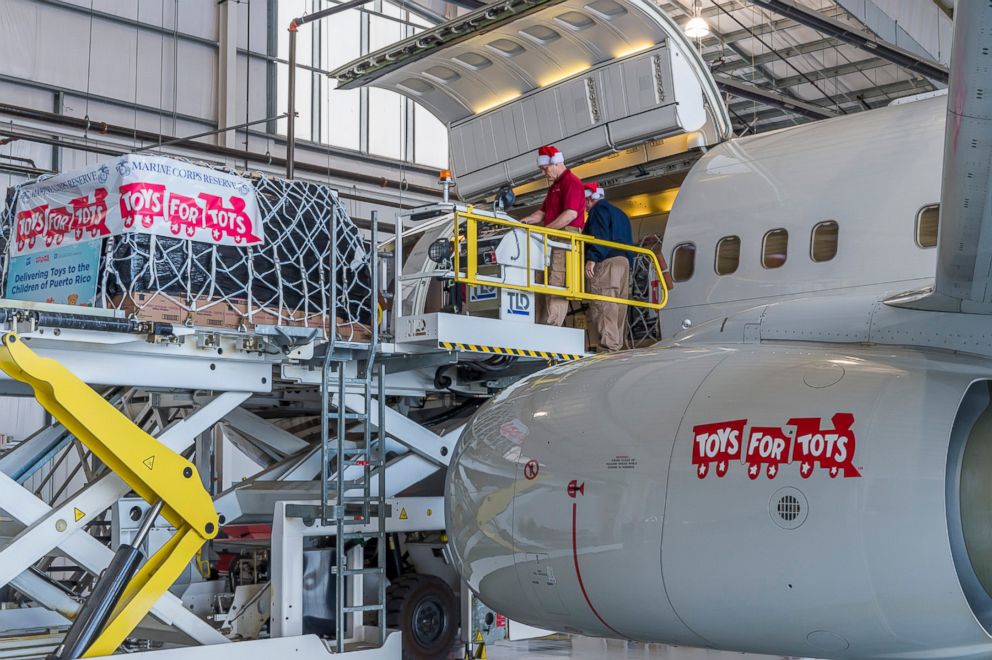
column 423, row 607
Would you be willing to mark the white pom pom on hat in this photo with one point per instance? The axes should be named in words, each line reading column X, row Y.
column 594, row 191
column 549, row 154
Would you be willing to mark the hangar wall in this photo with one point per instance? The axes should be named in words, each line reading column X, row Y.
column 182, row 67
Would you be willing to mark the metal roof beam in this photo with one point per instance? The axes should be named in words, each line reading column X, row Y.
column 765, row 58
column 845, row 33
column 772, row 98
column 834, row 71
column 878, row 96
column 768, row 27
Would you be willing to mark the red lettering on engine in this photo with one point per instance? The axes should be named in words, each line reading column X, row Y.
column 718, row 443
column 766, row 446
column 831, row 449
column 810, row 447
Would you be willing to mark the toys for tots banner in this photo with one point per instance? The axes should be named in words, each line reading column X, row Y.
column 146, row 194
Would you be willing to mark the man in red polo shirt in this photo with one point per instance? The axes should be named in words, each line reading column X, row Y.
column 564, row 208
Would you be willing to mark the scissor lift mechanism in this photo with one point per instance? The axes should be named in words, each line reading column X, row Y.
column 230, row 369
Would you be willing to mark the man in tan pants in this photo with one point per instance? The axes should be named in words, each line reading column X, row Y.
column 563, row 209
column 607, row 270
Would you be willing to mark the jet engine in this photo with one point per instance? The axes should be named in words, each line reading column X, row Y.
column 786, row 499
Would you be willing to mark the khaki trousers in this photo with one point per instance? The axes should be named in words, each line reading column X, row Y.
column 552, row 310
column 608, row 321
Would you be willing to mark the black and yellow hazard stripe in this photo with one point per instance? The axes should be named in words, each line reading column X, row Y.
column 500, row 350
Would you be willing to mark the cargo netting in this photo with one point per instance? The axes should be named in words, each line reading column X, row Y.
column 643, row 328
column 285, row 281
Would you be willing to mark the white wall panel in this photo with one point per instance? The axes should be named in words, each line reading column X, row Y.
column 20, row 416
column 46, row 48
column 255, row 14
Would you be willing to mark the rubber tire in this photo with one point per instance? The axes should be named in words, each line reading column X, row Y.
column 404, row 596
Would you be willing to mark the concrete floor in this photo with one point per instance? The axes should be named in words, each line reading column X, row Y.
column 594, row 648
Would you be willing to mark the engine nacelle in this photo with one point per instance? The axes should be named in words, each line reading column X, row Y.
column 771, row 499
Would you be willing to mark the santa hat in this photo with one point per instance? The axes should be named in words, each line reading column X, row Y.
column 593, row 191
column 549, row 154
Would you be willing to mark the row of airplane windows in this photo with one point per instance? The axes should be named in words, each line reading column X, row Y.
column 775, row 246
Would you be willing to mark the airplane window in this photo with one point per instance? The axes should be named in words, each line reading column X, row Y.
column 728, row 255
column 823, row 242
column 927, row 222
column 683, row 261
column 775, row 248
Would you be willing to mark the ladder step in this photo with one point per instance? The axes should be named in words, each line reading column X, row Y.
column 362, row 571
column 362, row 608
column 349, row 416
column 361, row 535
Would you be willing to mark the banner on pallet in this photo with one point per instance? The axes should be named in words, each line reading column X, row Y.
column 141, row 194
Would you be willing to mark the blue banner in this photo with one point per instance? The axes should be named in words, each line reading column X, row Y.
column 66, row 275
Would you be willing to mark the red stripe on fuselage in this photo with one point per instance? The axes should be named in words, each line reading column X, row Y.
column 578, row 572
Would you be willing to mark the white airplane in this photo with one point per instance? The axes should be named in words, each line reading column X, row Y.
column 804, row 469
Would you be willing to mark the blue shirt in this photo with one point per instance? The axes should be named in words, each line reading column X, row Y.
column 607, row 222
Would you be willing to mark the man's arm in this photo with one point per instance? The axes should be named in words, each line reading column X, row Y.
column 596, row 228
column 563, row 220
column 534, row 218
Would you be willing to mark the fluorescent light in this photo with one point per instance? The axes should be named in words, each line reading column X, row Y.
column 495, row 103
column 632, row 50
column 562, row 74
column 697, row 28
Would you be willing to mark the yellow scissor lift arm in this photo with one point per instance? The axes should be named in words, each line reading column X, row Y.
column 152, row 470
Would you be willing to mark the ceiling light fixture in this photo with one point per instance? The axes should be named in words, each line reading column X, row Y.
column 697, row 27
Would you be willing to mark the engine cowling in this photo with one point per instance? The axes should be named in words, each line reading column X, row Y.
column 827, row 502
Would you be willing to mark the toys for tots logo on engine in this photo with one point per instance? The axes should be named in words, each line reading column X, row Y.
column 802, row 440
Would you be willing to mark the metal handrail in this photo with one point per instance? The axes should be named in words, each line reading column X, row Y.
column 574, row 288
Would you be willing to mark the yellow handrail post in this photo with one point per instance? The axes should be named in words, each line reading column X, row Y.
column 582, row 264
column 530, row 274
column 472, row 255
column 547, row 260
column 455, row 240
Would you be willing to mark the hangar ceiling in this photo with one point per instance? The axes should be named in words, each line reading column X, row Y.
column 776, row 72
column 752, row 45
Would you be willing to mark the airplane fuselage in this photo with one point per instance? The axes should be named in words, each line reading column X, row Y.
column 800, row 469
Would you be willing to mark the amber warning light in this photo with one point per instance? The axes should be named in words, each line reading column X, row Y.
column 445, row 180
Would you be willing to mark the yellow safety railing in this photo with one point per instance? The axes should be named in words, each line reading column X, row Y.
column 575, row 272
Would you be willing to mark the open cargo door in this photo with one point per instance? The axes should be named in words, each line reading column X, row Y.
column 590, row 76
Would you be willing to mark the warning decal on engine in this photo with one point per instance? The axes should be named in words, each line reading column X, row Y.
column 802, row 440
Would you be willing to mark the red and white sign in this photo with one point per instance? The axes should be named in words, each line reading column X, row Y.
column 717, row 444
column 532, row 469
column 831, row 449
column 135, row 193
column 767, row 446
column 803, row 441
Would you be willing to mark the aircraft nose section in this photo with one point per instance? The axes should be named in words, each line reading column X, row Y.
column 480, row 490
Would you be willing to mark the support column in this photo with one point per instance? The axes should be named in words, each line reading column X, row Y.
column 227, row 71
